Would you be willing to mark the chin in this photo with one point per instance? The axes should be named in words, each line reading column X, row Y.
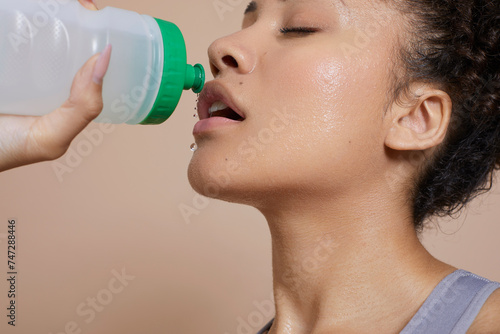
column 197, row 177
column 226, row 182
column 210, row 180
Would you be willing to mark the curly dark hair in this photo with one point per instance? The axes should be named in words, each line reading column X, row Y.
column 455, row 44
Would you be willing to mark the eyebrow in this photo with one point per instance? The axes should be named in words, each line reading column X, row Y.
column 252, row 6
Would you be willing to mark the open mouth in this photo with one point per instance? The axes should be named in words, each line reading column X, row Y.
column 220, row 109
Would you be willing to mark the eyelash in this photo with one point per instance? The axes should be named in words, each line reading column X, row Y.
column 298, row 30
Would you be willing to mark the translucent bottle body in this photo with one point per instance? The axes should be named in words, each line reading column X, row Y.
column 44, row 43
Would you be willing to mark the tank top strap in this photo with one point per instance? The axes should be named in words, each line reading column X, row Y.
column 450, row 308
column 266, row 327
column 453, row 304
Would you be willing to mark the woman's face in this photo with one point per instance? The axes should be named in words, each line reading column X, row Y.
column 311, row 79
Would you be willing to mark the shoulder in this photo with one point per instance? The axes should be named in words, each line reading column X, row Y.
column 488, row 319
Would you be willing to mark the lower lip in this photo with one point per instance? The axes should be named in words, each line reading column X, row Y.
column 213, row 123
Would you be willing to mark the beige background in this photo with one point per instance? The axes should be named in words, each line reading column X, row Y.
column 119, row 210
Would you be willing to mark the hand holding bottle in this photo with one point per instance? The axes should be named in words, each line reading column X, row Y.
column 27, row 139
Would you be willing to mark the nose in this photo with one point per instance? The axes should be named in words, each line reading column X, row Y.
column 230, row 53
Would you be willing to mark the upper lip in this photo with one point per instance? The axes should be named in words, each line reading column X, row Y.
column 212, row 92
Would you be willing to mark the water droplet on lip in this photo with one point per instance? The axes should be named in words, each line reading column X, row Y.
column 194, row 147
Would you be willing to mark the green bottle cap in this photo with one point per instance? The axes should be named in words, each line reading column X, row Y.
column 177, row 74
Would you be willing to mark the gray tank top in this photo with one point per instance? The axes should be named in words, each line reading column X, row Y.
column 450, row 308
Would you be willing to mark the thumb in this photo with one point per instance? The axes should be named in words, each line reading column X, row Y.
column 85, row 98
column 89, row 4
column 54, row 132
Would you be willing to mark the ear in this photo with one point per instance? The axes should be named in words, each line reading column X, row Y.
column 422, row 124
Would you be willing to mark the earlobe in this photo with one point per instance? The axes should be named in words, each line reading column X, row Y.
column 422, row 125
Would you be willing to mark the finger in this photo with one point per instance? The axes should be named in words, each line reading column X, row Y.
column 89, row 4
column 53, row 133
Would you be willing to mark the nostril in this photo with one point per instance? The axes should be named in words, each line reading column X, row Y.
column 230, row 61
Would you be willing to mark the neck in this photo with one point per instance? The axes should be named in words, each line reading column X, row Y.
column 348, row 265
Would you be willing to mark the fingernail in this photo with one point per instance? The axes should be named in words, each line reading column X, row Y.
column 101, row 66
column 91, row 1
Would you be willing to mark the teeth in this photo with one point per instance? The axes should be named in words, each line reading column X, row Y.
column 217, row 106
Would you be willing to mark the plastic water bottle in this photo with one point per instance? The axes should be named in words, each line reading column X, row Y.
column 43, row 44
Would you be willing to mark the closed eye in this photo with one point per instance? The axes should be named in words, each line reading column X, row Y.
column 298, row 30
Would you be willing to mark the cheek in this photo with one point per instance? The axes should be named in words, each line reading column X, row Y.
column 313, row 92
column 334, row 109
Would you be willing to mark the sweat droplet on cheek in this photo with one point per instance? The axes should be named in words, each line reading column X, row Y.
column 332, row 87
column 330, row 76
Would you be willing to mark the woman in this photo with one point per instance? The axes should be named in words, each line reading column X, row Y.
column 347, row 124
column 349, row 143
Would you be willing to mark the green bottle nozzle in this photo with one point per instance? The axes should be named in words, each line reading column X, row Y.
column 176, row 76
column 195, row 78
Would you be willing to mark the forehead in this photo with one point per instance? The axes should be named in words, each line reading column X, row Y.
column 340, row 7
column 346, row 9
column 254, row 5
